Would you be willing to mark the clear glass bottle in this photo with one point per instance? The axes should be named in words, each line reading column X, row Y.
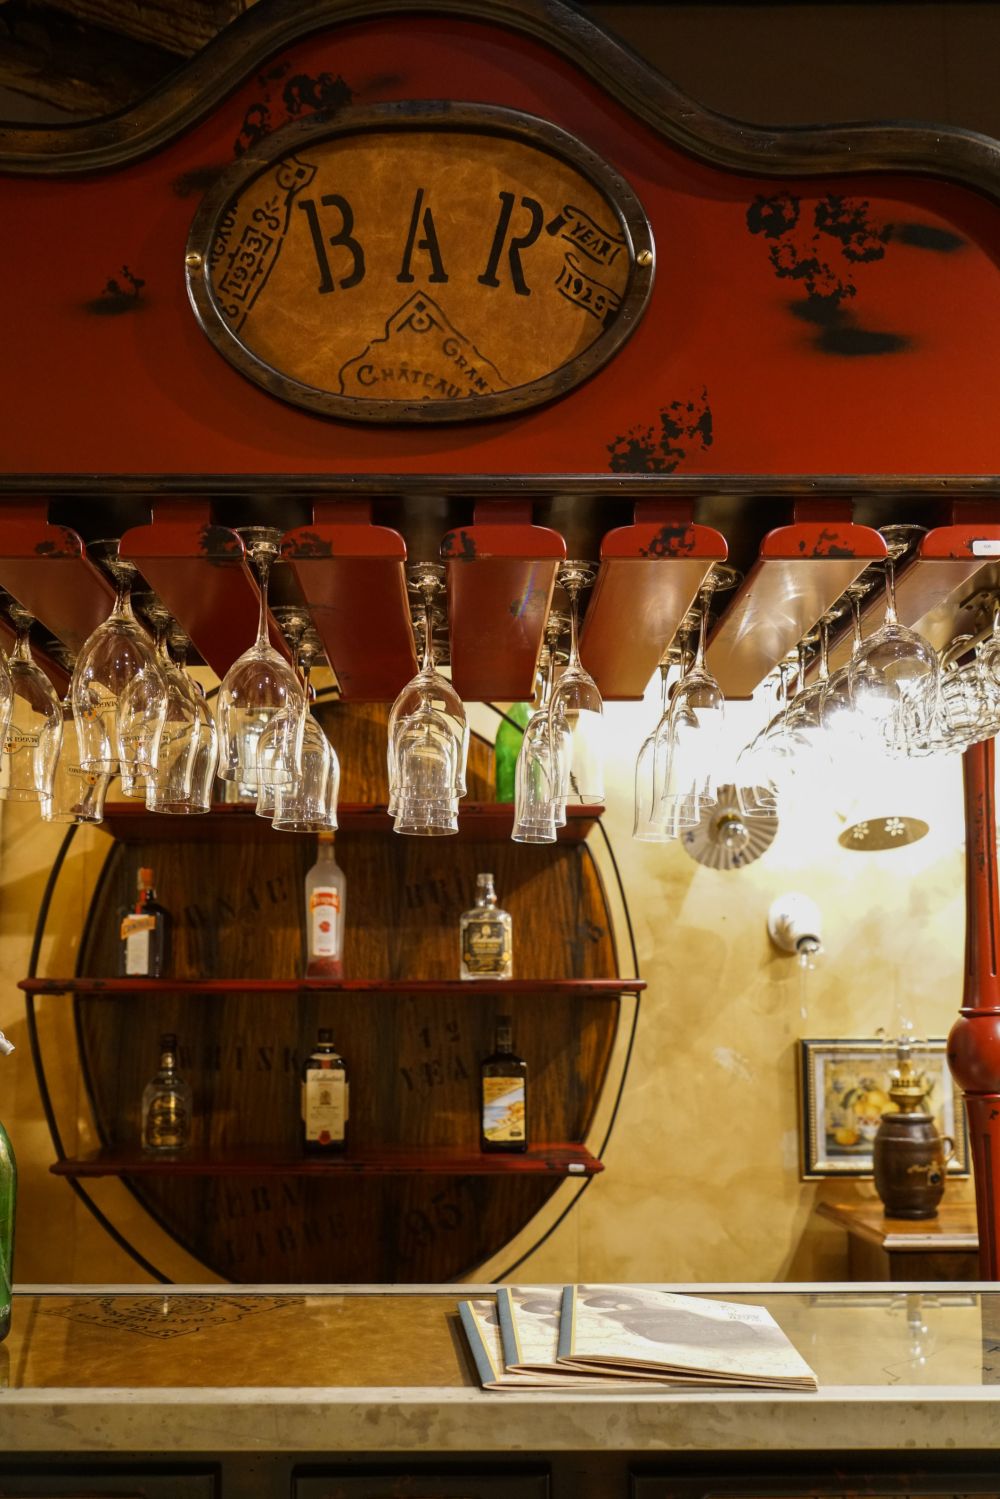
column 486, row 936
column 144, row 948
column 325, row 1098
column 326, row 894
column 166, row 1104
column 503, row 1094
column 8, row 1207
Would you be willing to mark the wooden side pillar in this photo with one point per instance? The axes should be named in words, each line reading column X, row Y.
column 974, row 1043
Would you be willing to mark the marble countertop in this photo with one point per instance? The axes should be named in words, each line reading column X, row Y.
column 365, row 1369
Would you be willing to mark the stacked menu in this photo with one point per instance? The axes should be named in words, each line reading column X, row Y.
column 603, row 1338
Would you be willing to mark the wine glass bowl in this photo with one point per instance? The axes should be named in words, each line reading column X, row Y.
column 34, row 731
column 260, row 682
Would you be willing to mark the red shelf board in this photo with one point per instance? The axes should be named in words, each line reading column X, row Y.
column 430, row 1160
column 230, row 822
column 589, row 987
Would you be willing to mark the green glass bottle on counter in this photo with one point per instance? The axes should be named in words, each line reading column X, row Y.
column 507, row 748
column 8, row 1203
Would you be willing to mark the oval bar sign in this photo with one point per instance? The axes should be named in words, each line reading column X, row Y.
column 420, row 263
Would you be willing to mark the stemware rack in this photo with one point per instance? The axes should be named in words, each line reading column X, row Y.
column 347, row 568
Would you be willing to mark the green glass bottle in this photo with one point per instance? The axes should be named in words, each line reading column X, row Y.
column 507, row 747
column 8, row 1202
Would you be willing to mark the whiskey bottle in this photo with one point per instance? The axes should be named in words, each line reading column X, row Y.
column 503, row 1094
column 325, row 1092
column 486, row 936
column 144, row 949
column 326, row 893
column 166, row 1104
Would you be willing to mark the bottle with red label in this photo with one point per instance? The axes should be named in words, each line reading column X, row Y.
column 144, row 934
column 326, row 890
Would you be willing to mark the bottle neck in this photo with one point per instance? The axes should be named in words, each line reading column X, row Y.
column 168, row 1061
column 485, row 893
column 504, row 1041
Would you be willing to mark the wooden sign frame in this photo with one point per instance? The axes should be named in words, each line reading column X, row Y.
column 209, row 226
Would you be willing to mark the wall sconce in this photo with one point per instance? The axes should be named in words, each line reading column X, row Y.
column 795, row 925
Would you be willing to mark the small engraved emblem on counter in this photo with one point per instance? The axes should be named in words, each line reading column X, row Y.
column 167, row 1316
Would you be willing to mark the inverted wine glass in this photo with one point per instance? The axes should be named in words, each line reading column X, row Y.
column 77, row 795
column 894, row 665
column 34, row 731
column 576, row 710
column 259, row 684
column 105, row 665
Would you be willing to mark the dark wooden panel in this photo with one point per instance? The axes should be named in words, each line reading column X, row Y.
column 413, row 1055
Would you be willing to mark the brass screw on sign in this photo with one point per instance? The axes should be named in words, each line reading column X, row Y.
column 193, row 259
column 644, row 257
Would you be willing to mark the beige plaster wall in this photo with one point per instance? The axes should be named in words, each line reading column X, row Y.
column 702, row 1180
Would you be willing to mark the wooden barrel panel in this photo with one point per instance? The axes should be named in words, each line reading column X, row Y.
column 413, row 1058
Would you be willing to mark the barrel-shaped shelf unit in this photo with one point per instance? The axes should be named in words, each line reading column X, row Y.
column 413, row 1199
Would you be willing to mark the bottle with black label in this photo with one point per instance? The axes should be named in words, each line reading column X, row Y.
column 486, row 935
column 144, row 948
column 324, row 1098
column 503, row 1094
column 166, row 1104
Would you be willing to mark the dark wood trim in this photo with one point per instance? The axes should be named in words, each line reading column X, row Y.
column 945, row 151
column 441, row 116
column 515, row 487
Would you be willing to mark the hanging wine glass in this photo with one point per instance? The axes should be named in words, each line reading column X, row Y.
column 259, row 683
column 894, row 665
column 539, row 809
column 428, row 734
column 836, row 709
column 34, row 731
column 105, row 665
column 167, row 767
column 653, row 821
column 77, row 795
column 576, row 711
column 279, row 749
column 697, row 719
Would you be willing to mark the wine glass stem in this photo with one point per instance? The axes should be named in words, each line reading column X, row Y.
column 263, row 561
column 890, row 592
column 856, row 613
column 574, row 659
column 824, row 651
column 664, row 674
column 428, row 663
column 699, row 660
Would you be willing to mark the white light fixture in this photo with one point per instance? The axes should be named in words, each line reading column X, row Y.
column 795, row 925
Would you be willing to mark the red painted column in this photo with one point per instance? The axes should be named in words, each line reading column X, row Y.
column 974, row 1043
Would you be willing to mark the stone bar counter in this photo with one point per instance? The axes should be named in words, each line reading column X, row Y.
column 369, row 1393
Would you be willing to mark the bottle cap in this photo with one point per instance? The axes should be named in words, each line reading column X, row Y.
column 168, row 1042
column 484, row 877
column 325, row 1035
column 145, row 879
column 503, row 1020
column 325, row 835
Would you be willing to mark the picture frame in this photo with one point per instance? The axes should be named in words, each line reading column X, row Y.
column 844, row 1087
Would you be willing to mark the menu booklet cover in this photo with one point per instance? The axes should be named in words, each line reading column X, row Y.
column 529, row 1331
column 663, row 1333
column 482, row 1330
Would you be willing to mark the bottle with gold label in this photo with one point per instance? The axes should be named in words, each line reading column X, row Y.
column 503, row 1094
column 144, row 935
column 486, row 935
column 326, row 893
column 166, row 1104
column 325, row 1094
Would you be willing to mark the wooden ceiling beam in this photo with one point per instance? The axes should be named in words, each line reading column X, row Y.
column 82, row 69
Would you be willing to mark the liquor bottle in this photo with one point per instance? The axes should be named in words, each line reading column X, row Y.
column 166, row 1104
column 8, row 1206
column 325, row 1093
column 144, row 950
column 506, row 749
column 503, row 1094
column 326, row 893
column 485, row 934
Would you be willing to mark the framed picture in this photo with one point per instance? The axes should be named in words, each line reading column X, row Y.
column 844, row 1093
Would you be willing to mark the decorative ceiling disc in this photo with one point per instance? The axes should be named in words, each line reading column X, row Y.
column 726, row 838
